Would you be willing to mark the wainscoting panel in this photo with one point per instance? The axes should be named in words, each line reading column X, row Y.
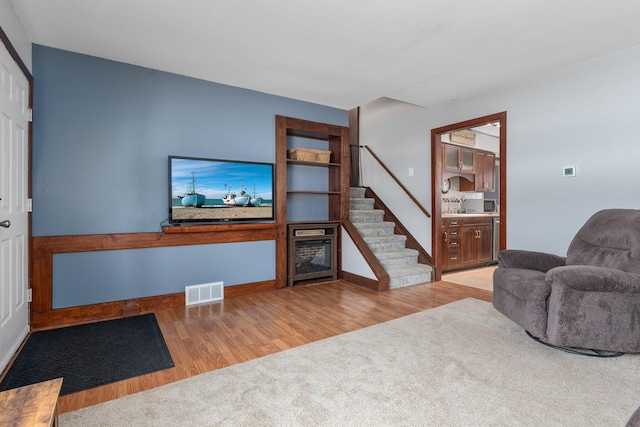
column 103, row 276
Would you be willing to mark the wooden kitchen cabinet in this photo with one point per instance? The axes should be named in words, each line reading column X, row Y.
column 451, row 243
column 485, row 171
column 475, row 241
column 484, row 174
column 467, row 242
column 458, row 159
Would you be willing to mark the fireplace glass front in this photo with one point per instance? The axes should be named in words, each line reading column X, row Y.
column 312, row 256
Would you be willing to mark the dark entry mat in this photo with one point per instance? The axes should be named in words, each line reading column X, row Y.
column 91, row 355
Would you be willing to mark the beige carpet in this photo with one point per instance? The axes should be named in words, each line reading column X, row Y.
column 462, row 364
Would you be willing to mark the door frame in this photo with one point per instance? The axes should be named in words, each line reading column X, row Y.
column 436, row 182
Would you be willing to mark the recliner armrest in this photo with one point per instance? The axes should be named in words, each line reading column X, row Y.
column 587, row 278
column 530, row 260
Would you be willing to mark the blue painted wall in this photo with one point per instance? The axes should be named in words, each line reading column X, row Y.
column 102, row 133
column 123, row 275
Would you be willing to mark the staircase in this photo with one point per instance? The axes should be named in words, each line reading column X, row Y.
column 399, row 262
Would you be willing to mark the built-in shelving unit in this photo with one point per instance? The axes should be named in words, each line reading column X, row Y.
column 309, row 191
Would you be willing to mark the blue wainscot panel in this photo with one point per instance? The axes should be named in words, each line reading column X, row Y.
column 95, row 277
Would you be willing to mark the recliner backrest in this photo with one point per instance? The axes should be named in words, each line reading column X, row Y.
column 610, row 238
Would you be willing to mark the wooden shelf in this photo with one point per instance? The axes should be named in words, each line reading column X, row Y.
column 314, row 222
column 307, row 163
column 329, row 193
column 208, row 228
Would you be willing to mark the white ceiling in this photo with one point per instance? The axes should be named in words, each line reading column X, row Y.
column 341, row 53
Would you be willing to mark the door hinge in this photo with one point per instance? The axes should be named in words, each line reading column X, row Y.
column 30, row 115
column 29, row 295
column 29, row 205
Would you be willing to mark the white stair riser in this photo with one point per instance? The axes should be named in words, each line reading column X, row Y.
column 372, row 231
column 414, row 279
column 387, row 246
column 385, row 239
column 366, row 216
column 406, row 260
column 356, row 192
column 361, row 204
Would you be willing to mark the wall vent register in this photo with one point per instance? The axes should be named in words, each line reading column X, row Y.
column 207, row 292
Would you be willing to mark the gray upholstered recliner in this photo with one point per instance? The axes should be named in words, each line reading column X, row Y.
column 590, row 299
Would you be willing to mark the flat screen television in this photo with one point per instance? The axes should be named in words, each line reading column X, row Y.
column 214, row 190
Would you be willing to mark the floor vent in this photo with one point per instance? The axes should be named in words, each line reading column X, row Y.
column 207, row 292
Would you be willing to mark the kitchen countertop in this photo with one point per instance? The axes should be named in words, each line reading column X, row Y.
column 469, row 215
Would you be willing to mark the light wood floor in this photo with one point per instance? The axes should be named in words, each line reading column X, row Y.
column 476, row 278
column 206, row 337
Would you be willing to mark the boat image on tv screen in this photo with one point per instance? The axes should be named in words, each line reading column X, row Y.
column 214, row 190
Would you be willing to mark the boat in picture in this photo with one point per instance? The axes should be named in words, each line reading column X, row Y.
column 192, row 198
column 255, row 200
column 233, row 199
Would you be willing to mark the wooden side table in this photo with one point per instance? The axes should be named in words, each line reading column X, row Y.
column 32, row 405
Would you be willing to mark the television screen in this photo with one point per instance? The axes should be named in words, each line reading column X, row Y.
column 214, row 190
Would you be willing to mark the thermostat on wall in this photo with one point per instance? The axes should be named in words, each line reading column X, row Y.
column 569, row 171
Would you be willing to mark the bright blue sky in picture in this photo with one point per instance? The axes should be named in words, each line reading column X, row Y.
column 212, row 175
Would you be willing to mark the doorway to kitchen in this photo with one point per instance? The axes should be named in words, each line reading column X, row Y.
column 465, row 233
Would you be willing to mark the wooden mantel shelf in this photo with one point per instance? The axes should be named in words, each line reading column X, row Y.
column 208, row 228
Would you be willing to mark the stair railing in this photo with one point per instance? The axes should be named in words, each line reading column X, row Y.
column 408, row 193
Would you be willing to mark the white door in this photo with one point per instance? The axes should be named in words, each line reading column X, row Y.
column 14, row 280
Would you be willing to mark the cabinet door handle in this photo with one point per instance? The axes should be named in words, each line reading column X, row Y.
column 453, row 258
column 445, row 236
column 477, row 234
